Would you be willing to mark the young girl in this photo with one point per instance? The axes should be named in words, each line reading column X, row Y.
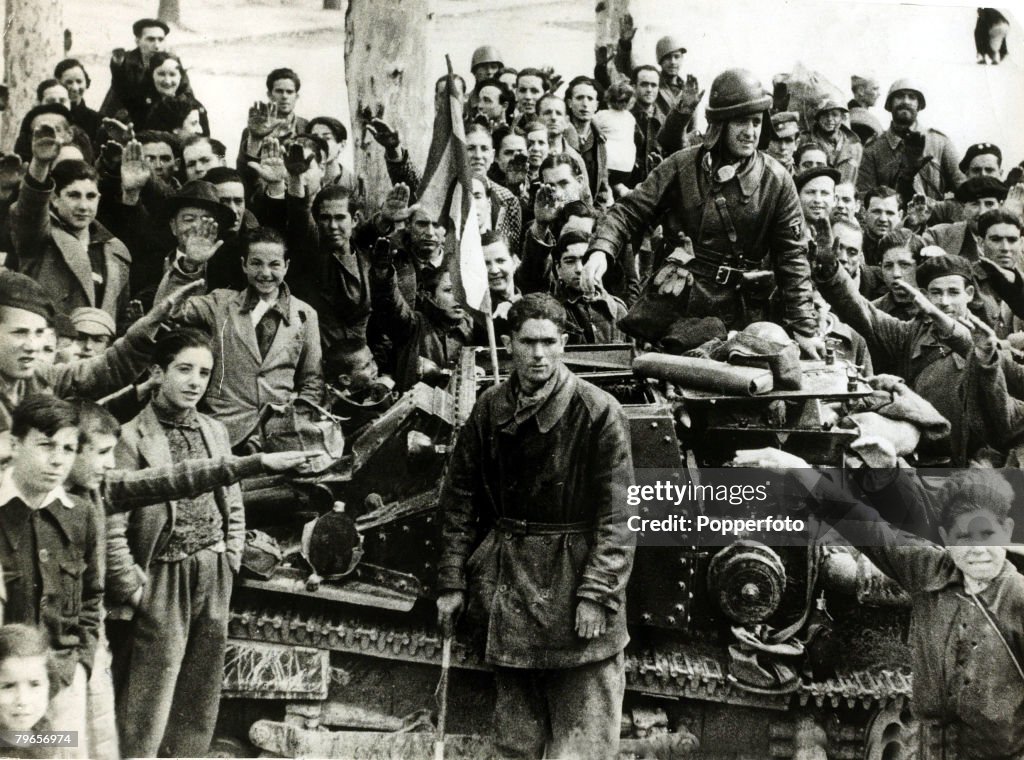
column 618, row 126
column 26, row 686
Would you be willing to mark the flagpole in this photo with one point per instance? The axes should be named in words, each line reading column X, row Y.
column 493, row 343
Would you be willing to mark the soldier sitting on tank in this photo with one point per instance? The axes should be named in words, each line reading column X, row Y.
column 737, row 206
column 967, row 600
column 359, row 393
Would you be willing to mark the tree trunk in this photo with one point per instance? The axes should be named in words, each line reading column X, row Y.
column 33, row 40
column 607, row 29
column 387, row 58
column 169, row 11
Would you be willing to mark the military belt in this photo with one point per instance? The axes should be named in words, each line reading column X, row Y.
column 524, row 528
column 708, row 264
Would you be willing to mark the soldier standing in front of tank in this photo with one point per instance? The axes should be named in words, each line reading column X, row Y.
column 736, row 205
column 541, row 470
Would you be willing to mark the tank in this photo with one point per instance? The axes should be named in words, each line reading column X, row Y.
column 738, row 651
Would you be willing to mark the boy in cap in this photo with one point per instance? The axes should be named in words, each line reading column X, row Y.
column 927, row 351
column 785, row 133
column 844, row 149
column 94, row 331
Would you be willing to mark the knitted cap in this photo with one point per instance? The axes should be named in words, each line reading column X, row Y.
column 18, row 291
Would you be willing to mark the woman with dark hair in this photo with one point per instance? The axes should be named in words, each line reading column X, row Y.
column 72, row 74
column 166, row 79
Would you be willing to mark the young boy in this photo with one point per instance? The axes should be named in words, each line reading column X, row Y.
column 268, row 341
column 359, row 393
column 967, row 615
column 593, row 317
column 95, row 479
column 429, row 338
column 49, row 550
column 171, row 565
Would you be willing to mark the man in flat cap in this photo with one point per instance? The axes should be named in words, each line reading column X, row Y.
column 924, row 158
column 816, row 189
column 927, row 351
column 976, row 195
column 843, row 148
column 94, row 332
column 785, row 134
column 128, row 70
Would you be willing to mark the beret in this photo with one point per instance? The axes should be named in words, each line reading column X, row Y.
column 980, row 149
column 976, row 188
column 944, row 266
column 18, row 291
column 93, row 321
column 806, row 176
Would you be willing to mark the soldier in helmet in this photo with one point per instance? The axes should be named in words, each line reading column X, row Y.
column 735, row 207
column 674, row 90
column 843, row 148
column 486, row 63
column 928, row 155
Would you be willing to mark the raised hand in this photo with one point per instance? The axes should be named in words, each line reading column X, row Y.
column 554, row 79
column 170, row 304
column 110, row 157
column 627, row 29
column 383, row 255
column 920, row 299
column 516, row 172
column 135, row 170
column 385, row 136
column 201, row 241
column 45, row 145
column 11, row 171
column 1014, row 202
column 285, row 461
column 918, row 211
column 986, row 342
column 263, row 119
column 396, row 204
column 546, row 204
column 271, row 167
column 117, row 131
column 691, row 94
column 296, row 162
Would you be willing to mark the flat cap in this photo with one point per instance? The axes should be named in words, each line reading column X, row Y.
column 786, row 123
column 804, row 177
column 93, row 321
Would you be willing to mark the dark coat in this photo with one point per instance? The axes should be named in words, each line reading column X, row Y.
column 569, row 462
column 765, row 209
column 53, row 257
column 126, row 83
column 884, row 154
column 66, row 555
column 963, row 673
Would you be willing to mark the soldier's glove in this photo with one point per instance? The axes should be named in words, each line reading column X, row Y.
column 383, row 256
column 823, row 251
column 913, row 152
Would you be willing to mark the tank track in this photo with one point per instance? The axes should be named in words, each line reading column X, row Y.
column 680, row 672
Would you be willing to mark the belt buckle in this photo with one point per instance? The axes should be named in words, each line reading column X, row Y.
column 722, row 275
column 515, row 527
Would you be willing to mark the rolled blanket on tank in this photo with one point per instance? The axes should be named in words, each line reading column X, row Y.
column 704, row 374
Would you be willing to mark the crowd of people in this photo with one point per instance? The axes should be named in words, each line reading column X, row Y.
column 158, row 295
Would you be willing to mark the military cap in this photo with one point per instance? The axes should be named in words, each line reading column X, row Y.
column 804, row 177
column 976, row 188
column 786, row 123
column 18, row 291
column 829, row 104
column 92, row 321
column 944, row 266
column 980, row 149
column 911, row 85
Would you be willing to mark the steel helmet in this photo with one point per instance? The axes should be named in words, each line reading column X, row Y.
column 668, row 45
column 486, row 54
column 734, row 93
column 905, row 84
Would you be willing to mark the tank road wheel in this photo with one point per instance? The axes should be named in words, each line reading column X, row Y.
column 893, row 734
